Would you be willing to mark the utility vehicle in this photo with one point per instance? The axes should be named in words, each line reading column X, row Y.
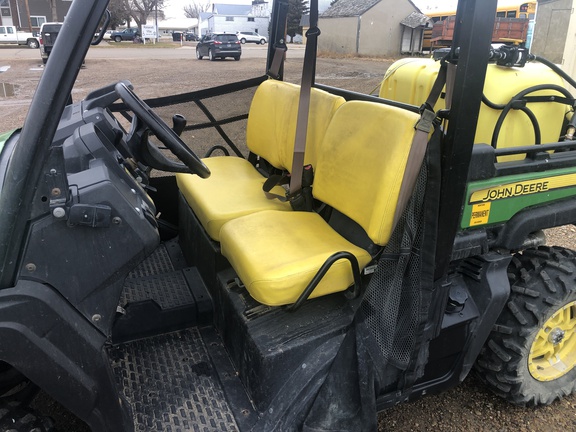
column 146, row 288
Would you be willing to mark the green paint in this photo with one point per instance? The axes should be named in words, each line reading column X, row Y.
column 499, row 199
column 4, row 137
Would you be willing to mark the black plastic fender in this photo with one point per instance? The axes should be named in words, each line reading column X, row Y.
column 532, row 219
column 46, row 339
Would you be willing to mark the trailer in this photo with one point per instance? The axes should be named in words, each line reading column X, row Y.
column 504, row 29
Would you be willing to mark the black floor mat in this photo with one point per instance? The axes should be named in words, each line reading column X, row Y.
column 171, row 384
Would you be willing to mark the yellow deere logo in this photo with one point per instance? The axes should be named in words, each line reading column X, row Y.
column 529, row 187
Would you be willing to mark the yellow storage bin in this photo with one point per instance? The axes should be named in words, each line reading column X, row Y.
column 410, row 81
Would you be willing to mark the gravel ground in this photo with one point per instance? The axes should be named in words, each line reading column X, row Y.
column 469, row 407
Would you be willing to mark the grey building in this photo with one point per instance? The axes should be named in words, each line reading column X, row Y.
column 555, row 34
column 372, row 27
column 550, row 38
column 32, row 13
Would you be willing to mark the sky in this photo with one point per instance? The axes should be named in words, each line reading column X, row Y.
column 173, row 8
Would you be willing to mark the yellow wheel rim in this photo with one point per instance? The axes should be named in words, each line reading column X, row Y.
column 553, row 352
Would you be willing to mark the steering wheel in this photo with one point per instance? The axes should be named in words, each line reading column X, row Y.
column 162, row 131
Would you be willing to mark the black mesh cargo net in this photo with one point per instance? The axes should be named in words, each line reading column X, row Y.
column 216, row 118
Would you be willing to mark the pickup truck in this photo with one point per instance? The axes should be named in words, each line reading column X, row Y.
column 48, row 34
column 9, row 35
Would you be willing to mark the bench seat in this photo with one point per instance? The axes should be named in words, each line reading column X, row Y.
column 235, row 186
column 359, row 173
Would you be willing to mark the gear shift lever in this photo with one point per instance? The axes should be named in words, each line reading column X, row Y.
column 179, row 122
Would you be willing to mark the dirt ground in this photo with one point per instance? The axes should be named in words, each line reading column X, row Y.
column 469, row 407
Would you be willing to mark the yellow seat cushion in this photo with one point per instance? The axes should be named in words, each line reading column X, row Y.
column 234, row 189
column 359, row 172
column 276, row 255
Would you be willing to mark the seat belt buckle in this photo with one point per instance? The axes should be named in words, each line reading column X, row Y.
column 302, row 199
column 427, row 118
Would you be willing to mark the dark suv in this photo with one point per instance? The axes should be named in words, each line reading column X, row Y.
column 125, row 35
column 219, row 45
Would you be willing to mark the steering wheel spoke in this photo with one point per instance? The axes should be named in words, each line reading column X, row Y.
column 150, row 154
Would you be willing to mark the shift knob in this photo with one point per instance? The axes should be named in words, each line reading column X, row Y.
column 179, row 122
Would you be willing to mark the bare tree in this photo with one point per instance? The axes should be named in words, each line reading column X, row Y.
column 118, row 13
column 193, row 10
column 140, row 10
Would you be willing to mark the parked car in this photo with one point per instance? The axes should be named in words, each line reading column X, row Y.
column 48, row 34
column 11, row 35
column 245, row 37
column 219, row 45
column 107, row 34
column 191, row 37
column 125, row 35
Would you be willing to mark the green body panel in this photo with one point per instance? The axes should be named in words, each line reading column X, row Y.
column 496, row 200
column 4, row 137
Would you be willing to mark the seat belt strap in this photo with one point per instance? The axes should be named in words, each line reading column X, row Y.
column 308, row 70
column 277, row 60
column 419, row 143
column 271, row 182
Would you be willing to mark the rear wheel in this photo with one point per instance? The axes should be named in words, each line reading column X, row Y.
column 10, row 379
column 243, row 40
column 118, row 39
column 530, row 356
column 33, row 43
column 237, row 58
column 211, row 55
column 17, row 416
column 16, row 393
column 262, row 41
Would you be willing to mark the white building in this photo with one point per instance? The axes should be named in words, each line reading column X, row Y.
column 168, row 26
column 232, row 18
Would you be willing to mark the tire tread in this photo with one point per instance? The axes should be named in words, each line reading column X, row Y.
column 540, row 282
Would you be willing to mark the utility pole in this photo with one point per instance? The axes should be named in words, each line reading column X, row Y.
column 28, row 15
column 156, row 10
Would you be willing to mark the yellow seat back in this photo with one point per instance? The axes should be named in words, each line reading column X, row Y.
column 362, row 162
column 271, row 124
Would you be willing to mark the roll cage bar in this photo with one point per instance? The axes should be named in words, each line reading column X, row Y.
column 472, row 37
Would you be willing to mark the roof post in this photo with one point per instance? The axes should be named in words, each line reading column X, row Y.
column 358, row 34
column 472, row 37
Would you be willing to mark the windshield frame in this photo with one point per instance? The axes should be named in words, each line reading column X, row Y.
column 32, row 149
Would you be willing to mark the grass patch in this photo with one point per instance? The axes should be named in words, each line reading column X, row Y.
column 147, row 45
